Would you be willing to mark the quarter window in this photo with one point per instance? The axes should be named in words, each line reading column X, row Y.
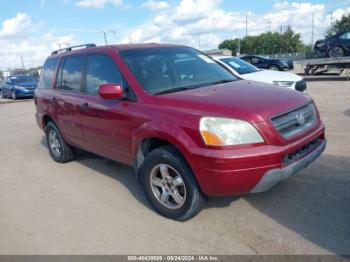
column 100, row 70
column 71, row 73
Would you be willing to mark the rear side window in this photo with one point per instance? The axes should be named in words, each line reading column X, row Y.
column 48, row 74
column 100, row 69
column 71, row 73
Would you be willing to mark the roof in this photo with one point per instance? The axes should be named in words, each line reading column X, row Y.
column 120, row 47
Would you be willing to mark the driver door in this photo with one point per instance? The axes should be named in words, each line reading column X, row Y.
column 105, row 123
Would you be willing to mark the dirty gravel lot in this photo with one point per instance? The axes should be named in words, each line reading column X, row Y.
column 95, row 206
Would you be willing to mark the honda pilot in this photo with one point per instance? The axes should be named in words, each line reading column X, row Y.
column 188, row 127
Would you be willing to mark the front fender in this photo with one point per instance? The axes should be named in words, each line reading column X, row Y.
column 171, row 133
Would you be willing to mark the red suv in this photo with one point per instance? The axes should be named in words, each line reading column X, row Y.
column 188, row 127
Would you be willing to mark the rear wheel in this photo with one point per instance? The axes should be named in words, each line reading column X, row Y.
column 170, row 185
column 274, row 68
column 14, row 95
column 59, row 150
column 336, row 52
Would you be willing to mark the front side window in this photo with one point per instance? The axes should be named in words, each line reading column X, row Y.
column 171, row 69
column 71, row 73
column 239, row 65
column 100, row 70
column 48, row 74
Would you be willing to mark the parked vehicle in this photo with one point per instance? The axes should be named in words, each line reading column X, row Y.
column 18, row 86
column 189, row 128
column 244, row 70
column 268, row 63
column 334, row 46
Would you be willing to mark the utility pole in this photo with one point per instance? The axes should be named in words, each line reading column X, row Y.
column 105, row 36
column 22, row 63
column 331, row 22
column 312, row 30
column 238, row 51
column 246, row 24
column 269, row 26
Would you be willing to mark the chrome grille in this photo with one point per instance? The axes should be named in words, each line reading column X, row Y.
column 295, row 121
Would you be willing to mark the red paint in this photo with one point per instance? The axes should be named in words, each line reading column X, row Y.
column 115, row 128
column 110, row 91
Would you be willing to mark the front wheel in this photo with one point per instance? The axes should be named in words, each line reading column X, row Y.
column 14, row 95
column 336, row 52
column 274, row 68
column 169, row 184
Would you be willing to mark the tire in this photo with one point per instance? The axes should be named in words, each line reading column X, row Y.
column 336, row 52
column 190, row 200
column 13, row 95
column 274, row 68
column 59, row 150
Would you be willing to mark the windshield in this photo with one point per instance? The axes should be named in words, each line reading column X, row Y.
column 239, row 65
column 22, row 79
column 171, row 69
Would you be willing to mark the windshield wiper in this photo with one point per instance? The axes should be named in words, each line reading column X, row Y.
column 183, row 88
column 177, row 89
column 221, row 82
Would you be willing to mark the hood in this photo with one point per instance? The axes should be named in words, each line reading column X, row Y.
column 246, row 100
column 27, row 84
column 268, row 76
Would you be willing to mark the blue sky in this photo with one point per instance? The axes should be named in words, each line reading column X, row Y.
column 31, row 29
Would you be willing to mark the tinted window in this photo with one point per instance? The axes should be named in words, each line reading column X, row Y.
column 172, row 69
column 71, row 73
column 345, row 36
column 100, row 70
column 239, row 65
column 48, row 74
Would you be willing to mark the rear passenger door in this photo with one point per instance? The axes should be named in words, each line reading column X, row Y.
column 67, row 100
column 105, row 123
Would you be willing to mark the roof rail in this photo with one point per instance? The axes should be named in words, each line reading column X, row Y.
column 67, row 49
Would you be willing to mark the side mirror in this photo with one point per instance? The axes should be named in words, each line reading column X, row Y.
column 110, row 91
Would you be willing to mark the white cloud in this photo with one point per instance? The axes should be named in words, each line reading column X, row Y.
column 156, row 5
column 98, row 3
column 16, row 26
column 33, row 47
column 204, row 23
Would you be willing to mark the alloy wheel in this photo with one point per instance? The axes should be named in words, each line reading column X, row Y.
column 168, row 186
column 336, row 52
column 55, row 144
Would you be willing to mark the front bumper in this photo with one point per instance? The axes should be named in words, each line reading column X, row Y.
column 24, row 93
column 241, row 170
column 274, row 176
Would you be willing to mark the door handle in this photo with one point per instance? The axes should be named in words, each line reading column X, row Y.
column 84, row 106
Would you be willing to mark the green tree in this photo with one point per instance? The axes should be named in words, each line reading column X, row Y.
column 340, row 25
column 266, row 43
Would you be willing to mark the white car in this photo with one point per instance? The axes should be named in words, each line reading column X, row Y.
column 244, row 70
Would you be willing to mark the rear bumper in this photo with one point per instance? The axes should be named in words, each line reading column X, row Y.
column 274, row 176
column 241, row 170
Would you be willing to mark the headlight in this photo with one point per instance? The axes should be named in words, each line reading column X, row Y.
column 219, row 131
column 283, row 83
column 320, row 44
